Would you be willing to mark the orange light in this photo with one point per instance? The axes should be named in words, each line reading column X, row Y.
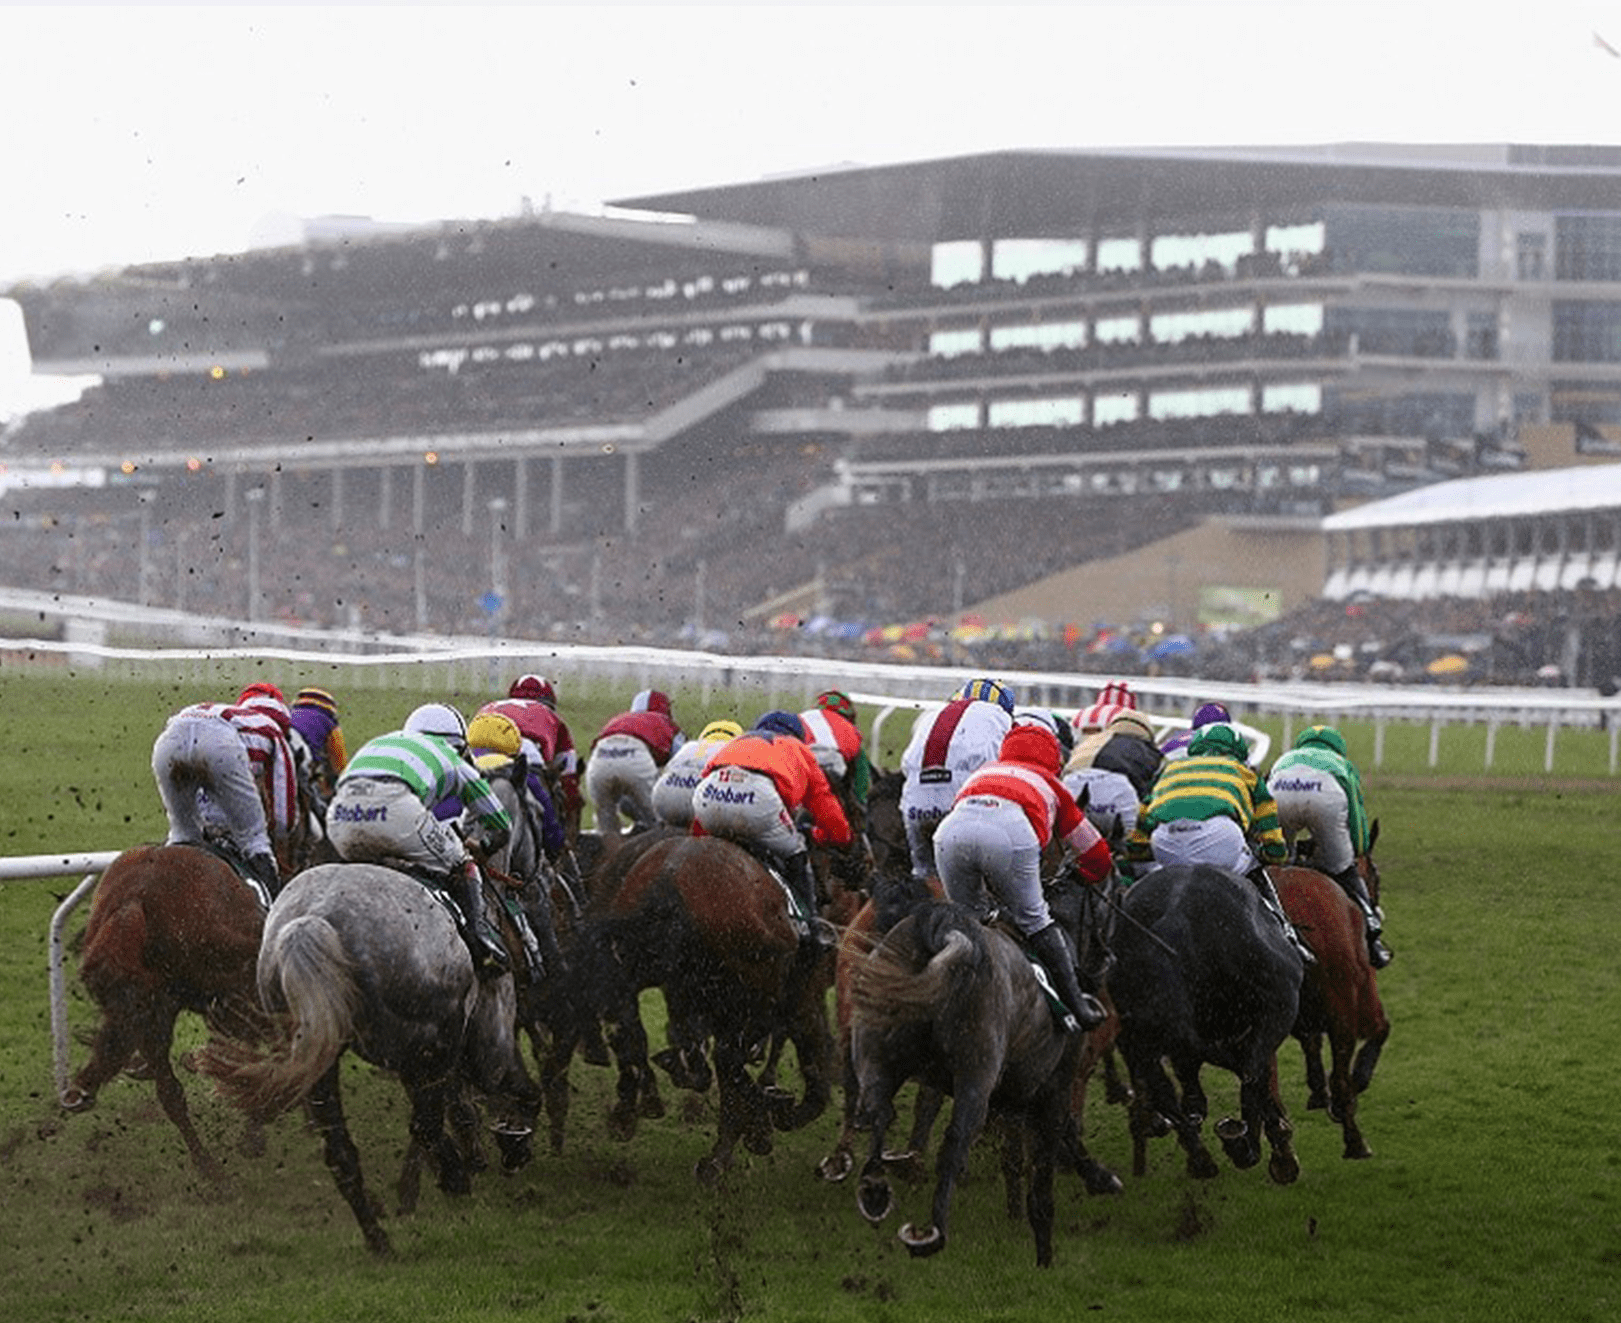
column 432, row 457
column 127, row 467
column 217, row 372
column 193, row 464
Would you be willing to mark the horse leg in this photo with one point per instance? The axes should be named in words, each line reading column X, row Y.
column 1367, row 1058
column 1051, row 1121
column 1342, row 1097
column 968, row 1113
column 1284, row 1166
column 628, row 1038
column 740, row 1116
column 113, row 1046
column 554, row 1086
column 325, row 1108
column 838, row 1164
column 875, row 1113
column 172, row 1096
column 909, row 1163
column 1311, row 1046
column 812, row 1042
column 1185, row 1116
column 1013, row 1157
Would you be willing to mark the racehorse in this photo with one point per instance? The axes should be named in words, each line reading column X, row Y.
column 172, row 928
column 1205, row 974
column 358, row 956
column 954, row 1003
column 1340, row 995
column 175, row 928
column 701, row 919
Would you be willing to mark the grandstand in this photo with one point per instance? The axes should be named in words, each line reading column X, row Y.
column 873, row 394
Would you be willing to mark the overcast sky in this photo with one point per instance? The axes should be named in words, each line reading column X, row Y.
column 133, row 132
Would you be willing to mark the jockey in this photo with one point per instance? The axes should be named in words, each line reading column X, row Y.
column 835, row 739
column 317, row 741
column 1116, row 772
column 752, row 791
column 1175, row 745
column 1208, row 808
column 624, row 763
column 383, row 813
column 1319, row 791
column 531, row 701
column 228, row 768
column 672, row 792
column 492, row 736
column 989, row 849
column 946, row 744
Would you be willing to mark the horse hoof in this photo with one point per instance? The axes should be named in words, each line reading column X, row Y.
column 921, row 1244
column 1098, row 1179
column 622, row 1125
column 709, row 1170
column 836, row 1166
column 1230, row 1129
column 758, row 1143
column 1202, row 1167
column 76, row 1100
column 874, row 1200
column 1284, row 1169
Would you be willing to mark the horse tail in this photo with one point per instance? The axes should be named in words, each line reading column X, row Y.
column 917, row 971
column 305, row 969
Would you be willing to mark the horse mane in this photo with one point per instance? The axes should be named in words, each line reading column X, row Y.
column 918, row 970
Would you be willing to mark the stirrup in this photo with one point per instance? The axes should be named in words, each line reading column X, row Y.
column 1379, row 955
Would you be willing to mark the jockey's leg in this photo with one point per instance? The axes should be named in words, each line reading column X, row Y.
column 1269, row 897
column 1350, row 880
column 490, row 956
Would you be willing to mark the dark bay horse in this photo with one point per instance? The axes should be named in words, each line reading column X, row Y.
column 172, row 928
column 359, row 957
column 1339, row 998
column 1205, row 974
column 702, row 920
column 954, row 1003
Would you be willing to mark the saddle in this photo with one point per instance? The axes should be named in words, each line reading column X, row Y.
column 1055, row 1004
column 228, row 855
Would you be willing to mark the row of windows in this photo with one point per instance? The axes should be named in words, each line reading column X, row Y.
column 1125, row 407
column 1163, row 328
column 452, row 360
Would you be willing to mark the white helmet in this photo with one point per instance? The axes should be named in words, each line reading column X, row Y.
column 442, row 720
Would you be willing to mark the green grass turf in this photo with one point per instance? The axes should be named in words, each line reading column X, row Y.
column 1494, row 1192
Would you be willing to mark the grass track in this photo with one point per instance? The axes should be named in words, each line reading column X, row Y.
column 1495, row 1190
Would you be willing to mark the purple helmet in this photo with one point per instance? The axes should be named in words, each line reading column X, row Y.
column 1210, row 713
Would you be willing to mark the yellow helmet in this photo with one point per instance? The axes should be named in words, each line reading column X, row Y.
column 720, row 730
column 496, row 733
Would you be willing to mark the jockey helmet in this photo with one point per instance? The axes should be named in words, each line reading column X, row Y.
column 781, row 723
column 537, row 687
column 1096, row 717
column 651, row 700
column 988, row 691
column 1131, row 723
column 318, row 698
column 1323, row 737
column 836, row 700
column 495, row 732
column 261, row 688
column 1208, row 713
column 270, row 706
column 1119, row 693
column 720, row 730
column 1221, row 740
column 442, row 720
column 1032, row 744
column 1050, row 721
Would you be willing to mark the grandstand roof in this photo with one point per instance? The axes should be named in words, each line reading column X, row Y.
column 1496, row 496
column 1035, row 193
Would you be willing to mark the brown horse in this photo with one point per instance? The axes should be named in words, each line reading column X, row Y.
column 1339, row 997
column 701, row 919
column 172, row 928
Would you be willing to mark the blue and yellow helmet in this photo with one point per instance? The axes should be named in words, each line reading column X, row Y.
column 989, row 691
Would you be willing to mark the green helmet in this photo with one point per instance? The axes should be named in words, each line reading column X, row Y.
column 1325, row 737
column 1219, row 740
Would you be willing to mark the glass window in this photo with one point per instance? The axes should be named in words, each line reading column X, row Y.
column 1117, row 330
column 1292, row 397
column 1405, row 332
column 1107, row 409
column 1531, row 256
column 1223, row 323
column 1586, row 331
column 1169, row 251
column 1292, row 319
column 1120, row 255
column 1202, row 403
column 1422, row 241
column 1587, row 247
column 1307, row 238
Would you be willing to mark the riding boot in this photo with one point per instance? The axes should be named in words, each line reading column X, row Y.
column 1052, row 948
column 263, row 869
column 796, row 872
column 1269, row 898
column 1350, row 880
column 490, row 957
